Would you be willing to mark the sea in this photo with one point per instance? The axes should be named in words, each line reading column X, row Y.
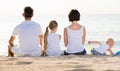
column 99, row 27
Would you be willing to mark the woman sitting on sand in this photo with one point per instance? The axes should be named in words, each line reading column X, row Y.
column 52, row 40
column 103, row 48
column 74, row 35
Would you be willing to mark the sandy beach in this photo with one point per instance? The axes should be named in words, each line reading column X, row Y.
column 63, row 63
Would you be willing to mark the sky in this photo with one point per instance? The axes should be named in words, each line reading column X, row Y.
column 47, row 7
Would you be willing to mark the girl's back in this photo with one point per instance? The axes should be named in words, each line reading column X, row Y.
column 53, row 47
column 52, row 40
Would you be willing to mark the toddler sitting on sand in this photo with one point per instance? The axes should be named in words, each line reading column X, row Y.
column 103, row 48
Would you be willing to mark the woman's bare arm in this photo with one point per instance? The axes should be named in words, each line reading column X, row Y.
column 84, row 36
column 65, row 37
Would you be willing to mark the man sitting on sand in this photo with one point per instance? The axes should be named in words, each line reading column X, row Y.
column 30, row 37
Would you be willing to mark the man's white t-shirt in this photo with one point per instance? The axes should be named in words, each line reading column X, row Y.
column 28, row 32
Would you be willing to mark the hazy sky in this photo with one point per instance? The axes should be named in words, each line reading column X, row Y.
column 60, row 6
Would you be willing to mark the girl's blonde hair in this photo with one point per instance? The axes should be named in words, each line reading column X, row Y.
column 53, row 24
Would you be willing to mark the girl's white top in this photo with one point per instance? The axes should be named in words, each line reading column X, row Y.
column 102, row 48
column 74, row 40
column 53, row 46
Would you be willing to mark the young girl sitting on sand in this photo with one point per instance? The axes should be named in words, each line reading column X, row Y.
column 103, row 48
column 52, row 40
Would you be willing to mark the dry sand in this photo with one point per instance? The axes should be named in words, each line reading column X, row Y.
column 63, row 63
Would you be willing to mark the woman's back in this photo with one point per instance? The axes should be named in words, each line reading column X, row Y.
column 74, row 39
column 75, row 26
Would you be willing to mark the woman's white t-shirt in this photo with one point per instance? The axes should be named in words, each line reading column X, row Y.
column 53, row 45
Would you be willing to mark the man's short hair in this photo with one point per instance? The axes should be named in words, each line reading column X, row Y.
column 28, row 12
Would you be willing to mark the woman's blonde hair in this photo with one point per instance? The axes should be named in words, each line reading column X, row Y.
column 53, row 24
